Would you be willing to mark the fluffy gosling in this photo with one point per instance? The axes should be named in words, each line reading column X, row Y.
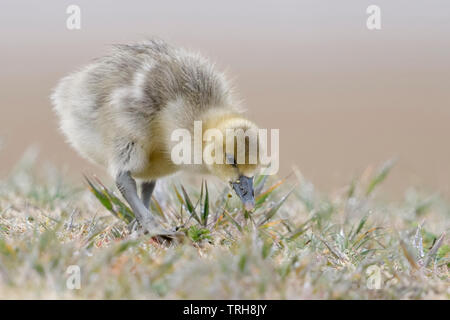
column 120, row 111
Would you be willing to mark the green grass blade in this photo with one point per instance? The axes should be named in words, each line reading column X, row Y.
column 158, row 209
column 259, row 183
column 259, row 200
column 380, row 176
column 99, row 195
column 123, row 211
column 433, row 250
column 233, row 221
column 271, row 212
column 206, row 206
column 179, row 197
column 112, row 203
column 361, row 224
column 189, row 205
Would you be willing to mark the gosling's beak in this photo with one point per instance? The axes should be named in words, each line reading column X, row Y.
column 244, row 189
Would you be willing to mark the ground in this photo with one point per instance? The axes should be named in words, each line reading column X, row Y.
column 61, row 238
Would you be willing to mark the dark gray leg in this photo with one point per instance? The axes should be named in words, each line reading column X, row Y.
column 127, row 187
column 146, row 192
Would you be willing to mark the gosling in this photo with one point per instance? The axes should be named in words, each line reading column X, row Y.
column 120, row 111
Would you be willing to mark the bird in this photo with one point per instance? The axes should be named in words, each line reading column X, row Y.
column 120, row 112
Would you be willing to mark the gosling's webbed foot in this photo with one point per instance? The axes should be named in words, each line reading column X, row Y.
column 160, row 235
column 171, row 237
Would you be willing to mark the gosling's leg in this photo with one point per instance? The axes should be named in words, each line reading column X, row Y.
column 127, row 186
column 146, row 192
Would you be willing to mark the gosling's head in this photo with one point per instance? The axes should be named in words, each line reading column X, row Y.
column 235, row 156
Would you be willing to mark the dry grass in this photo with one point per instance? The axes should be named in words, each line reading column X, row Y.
column 298, row 244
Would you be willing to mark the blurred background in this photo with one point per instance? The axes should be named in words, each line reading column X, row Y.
column 343, row 97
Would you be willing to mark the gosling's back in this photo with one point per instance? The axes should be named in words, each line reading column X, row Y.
column 115, row 111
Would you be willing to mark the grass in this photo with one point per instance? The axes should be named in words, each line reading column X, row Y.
column 298, row 244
